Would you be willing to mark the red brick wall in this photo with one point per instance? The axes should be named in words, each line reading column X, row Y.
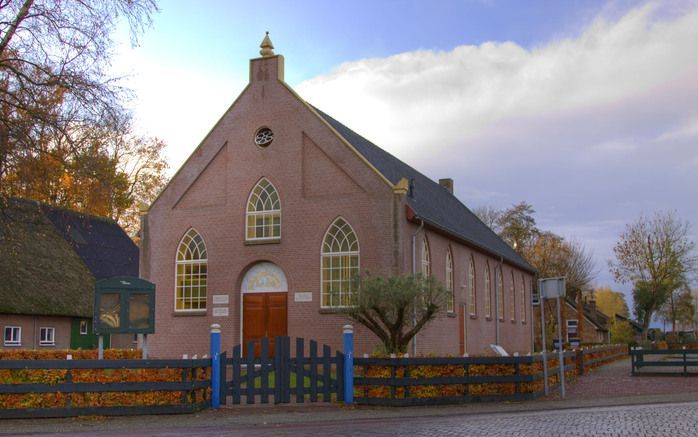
column 318, row 179
column 31, row 326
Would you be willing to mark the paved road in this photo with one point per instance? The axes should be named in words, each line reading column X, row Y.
column 675, row 420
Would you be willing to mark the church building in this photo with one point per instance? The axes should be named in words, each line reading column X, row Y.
column 264, row 226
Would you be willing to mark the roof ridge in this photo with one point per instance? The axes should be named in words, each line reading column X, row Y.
column 57, row 208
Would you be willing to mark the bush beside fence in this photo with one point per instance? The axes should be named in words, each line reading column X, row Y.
column 432, row 380
column 48, row 385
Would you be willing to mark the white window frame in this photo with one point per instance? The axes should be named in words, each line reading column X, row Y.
column 426, row 259
column 471, row 287
column 342, row 255
column 15, row 340
column 199, row 261
column 86, row 325
column 512, row 296
column 523, row 300
column 46, row 339
column 272, row 212
column 451, row 303
column 571, row 323
column 488, row 291
column 499, row 289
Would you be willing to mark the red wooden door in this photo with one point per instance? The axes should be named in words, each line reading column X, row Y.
column 264, row 315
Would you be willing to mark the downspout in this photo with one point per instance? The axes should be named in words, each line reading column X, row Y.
column 414, row 272
column 498, row 277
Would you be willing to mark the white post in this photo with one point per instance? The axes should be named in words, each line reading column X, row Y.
column 562, row 354
column 144, row 348
column 100, row 347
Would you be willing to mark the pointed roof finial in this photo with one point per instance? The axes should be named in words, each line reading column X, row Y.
column 267, row 47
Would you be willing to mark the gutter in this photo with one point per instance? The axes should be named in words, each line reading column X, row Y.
column 498, row 277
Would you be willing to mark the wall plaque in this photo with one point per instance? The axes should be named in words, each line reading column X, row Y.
column 303, row 296
column 220, row 299
column 220, row 312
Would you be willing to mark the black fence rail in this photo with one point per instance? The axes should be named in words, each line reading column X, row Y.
column 192, row 381
column 311, row 377
column 597, row 356
column 432, row 381
column 670, row 361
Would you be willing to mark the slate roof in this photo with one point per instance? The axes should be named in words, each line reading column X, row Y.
column 51, row 257
column 430, row 201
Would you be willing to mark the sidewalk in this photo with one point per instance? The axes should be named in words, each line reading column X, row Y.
column 610, row 385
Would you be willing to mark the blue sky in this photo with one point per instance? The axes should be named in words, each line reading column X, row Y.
column 585, row 109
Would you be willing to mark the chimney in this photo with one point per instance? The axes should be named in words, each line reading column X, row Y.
column 447, row 184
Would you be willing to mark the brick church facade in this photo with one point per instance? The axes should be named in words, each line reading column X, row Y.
column 263, row 227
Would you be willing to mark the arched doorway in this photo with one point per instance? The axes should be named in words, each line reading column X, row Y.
column 264, row 304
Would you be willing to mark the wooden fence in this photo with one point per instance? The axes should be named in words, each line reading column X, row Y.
column 97, row 387
column 302, row 376
column 430, row 381
column 676, row 361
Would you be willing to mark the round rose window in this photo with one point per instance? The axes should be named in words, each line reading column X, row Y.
column 263, row 137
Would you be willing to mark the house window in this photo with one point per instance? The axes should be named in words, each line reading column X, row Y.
column 498, row 283
column 450, row 304
column 192, row 273
column 512, row 298
column 471, row 287
column 571, row 329
column 340, row 264
column 488, row 292
column 523, row 299
column 263, row 213
column 13, row 336
column 426, row 259
column 47, row 336
column 83, row 327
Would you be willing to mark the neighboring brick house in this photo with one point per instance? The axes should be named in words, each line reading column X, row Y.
column 263, row 227
column 51, row 258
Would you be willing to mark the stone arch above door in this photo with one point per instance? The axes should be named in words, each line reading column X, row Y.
column 264, row 277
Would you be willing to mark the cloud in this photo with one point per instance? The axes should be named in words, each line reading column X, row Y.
column 591, row 130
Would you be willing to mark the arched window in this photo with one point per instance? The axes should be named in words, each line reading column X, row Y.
column 512, row 298
column 340, row 264
column 488, row 291
column 426, row 259
column 523, row 299
column 471, row 287
column 451, row 302
column 192, row 273
column 498, row 283
column 263, row 212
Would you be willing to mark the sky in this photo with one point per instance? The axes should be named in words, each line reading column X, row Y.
column 587, row 110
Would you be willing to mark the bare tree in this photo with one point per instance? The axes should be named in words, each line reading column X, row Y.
column 54, row 57
column 656, row 255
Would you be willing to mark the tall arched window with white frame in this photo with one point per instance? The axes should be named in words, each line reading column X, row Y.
column 191, row 278
column 488, row 291
column 512, row 298
column 426, row 259
column 499, row 289
column 451, row 302
column 340, row 264
column 523, row 299
column 263, row 213
column 472, row 302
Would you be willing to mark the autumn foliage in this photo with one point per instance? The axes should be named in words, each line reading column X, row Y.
column 392, row 390
column 100, row 376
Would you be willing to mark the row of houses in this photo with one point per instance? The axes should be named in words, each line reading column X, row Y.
column 261, row 231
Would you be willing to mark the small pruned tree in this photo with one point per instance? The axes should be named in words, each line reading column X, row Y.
column 396, row 308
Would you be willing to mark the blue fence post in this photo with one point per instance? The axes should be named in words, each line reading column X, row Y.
column 348, row 364
column 215, row 366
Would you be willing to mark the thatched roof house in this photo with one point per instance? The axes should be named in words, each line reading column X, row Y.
column 51, row 258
